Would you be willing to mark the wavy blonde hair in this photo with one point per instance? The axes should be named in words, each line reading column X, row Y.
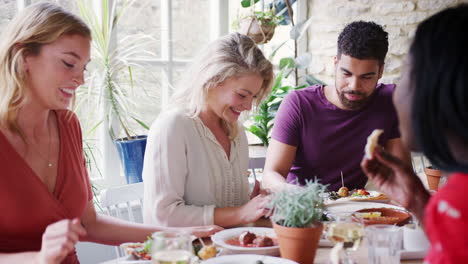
column 230, row 56
column 33, row 27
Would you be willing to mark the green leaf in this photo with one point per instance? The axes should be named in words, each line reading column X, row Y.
column 142, row 124
column 303, row 61
column 272, row 55
column 247, row 3
column 299, row 29
column 311, row 80
column 286, row 63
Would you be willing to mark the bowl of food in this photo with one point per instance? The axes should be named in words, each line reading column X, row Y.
column 386, row 216
column 248, row 240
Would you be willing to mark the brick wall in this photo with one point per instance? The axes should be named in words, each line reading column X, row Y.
column 399, row 18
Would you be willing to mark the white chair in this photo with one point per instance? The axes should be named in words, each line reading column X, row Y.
column 256, row 163
column 124, row 202
column 419, row 162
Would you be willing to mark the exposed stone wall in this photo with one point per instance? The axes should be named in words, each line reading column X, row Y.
column 399, row 18
column 7, row 12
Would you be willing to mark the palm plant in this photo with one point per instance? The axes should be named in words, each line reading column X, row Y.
column 113, row 61
column 262, row 121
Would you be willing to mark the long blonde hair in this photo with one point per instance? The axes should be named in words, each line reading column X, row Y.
column 33, row 27
column 229, row 56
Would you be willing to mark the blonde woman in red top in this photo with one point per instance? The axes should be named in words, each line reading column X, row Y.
column 45, row 196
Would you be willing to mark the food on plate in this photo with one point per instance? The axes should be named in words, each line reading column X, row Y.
column 343, row 192
column 246, row 238
column 363, row 195
column 372, row 142
column 369, row 214
column 207, row 252
column 263, row 241
column 139, row 250
column 249, row 239
column 361, row 192
column 389, row 216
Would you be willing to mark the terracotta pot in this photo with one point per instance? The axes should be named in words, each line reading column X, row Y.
column 250, row 27
column 298, row 244
column 433, row 177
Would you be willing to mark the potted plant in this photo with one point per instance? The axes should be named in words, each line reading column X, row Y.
column 110, row 79
column 260, row 26
column 433, row 175
column 297, row 215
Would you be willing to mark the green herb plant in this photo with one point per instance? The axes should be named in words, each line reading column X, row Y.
column 299, row 206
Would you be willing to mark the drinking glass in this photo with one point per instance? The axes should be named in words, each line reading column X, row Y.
column 384, row 244
column 348, row 231
column 172, row 247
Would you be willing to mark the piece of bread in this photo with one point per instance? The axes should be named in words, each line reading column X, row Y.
column 372, row 142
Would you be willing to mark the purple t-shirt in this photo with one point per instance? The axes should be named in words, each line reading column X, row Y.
column 331, row 140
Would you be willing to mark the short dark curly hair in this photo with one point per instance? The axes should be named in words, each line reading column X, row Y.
column 363, row 40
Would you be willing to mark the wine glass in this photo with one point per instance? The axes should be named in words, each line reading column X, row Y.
column 348, row 231
column 172, row 247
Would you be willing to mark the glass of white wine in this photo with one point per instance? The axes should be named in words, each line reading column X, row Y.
column 172, row 247
column 348, row 231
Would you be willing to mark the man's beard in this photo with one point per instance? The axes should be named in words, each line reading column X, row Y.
column 355, row 104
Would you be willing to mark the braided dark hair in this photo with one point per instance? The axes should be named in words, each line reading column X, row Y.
column 439, row 74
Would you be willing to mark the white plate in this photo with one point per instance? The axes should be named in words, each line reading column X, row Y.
column 323, row 242
column 133, row 260
column 247, row 259
column 366, row 198
column 405, row 254
column 351, row 206
column 220, row 238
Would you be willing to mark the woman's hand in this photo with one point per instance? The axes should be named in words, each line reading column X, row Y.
column 254, row 209
column 203, row 231
column 59, row 240
column 396, row 180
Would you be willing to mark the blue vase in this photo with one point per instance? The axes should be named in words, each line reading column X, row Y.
column 131, row 154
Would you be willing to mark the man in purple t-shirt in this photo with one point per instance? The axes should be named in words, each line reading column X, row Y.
column 321, row 131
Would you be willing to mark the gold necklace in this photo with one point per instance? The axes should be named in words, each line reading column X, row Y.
column 47, row 160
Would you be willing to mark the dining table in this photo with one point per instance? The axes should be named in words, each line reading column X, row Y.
column 322, row 256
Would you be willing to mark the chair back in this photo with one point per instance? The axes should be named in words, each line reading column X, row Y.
column 419, row 162
column 123, row 202
column 256, row 163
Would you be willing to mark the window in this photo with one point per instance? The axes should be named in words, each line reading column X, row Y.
column 180, row 28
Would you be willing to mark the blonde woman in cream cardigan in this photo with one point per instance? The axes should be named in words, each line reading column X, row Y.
column 197, row 154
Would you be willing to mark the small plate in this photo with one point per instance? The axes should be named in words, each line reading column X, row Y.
column 133, row 260
column 374, row 196
column 219, row 239
column 405, row 254
column 389, row 216
column 247, row 258
column 351, row 207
